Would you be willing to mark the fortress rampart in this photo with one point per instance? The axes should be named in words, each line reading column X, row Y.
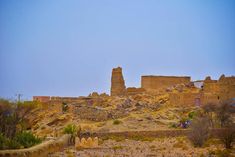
column 181, row 90
column 159, row 82
column 55, row 99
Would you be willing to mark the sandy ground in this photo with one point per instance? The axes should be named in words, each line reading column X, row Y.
column 159, row 147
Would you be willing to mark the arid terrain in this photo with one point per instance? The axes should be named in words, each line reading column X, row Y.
column 154, row 147
column 175, row 119
column 117, row 78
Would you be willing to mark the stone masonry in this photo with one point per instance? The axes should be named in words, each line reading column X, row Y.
column 160, row 82
column 118, row 87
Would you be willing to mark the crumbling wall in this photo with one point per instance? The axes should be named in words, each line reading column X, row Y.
column 64, row 99
column 56, row 99
column 227, row 87
column 118, row 87
column 211, row 87
column 134, row 91
column 213, row 91
column 160, row 82
column 220, row 90
column 185, row 98
column 41, row 98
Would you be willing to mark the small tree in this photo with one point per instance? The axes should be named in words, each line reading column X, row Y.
column 209, row 109
column 13, row 114
column 199, row 131
column 224, row 113
column 227, row 136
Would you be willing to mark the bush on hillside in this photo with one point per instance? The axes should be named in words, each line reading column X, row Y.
column 227, row 136
column 21, row 140
column 224, row 113
column 72, row 130
column 3, row 141
column 27, row 139
column 12, row 115
column 199, row 131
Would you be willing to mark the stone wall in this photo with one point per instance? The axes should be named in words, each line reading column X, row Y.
column 41, row 150
column 160, row 82
column 208, row 98
column 134, row 134
column 134, row 91
column 227, row 87
column 41, row 98
column 223, row 89
column 64, row 99
column 211, row 87
column 56, row 99
column 156, row 133
column 213, row 91
column 185, row 98
column 118, row 87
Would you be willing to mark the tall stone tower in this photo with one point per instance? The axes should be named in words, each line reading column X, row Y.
column 118, row 87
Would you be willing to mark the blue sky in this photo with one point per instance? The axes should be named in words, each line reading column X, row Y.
column 69, row 47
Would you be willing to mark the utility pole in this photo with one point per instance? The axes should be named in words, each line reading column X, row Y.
column 18, row 97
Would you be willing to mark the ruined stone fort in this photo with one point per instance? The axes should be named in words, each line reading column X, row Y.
column 181, row 90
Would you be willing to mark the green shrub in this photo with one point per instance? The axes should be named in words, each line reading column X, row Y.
column 70, row 129
column 22, row 139
column 173, row 125
column 192, row 114
column 13, row 144
column 27, row 139
column 116, row 122
column 3, row 141
column 6, row 143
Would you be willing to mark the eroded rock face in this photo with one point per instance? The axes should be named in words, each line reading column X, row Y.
column 91, row 113
column 118, row 87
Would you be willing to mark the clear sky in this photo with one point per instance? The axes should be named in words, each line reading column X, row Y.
column 69, row 47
